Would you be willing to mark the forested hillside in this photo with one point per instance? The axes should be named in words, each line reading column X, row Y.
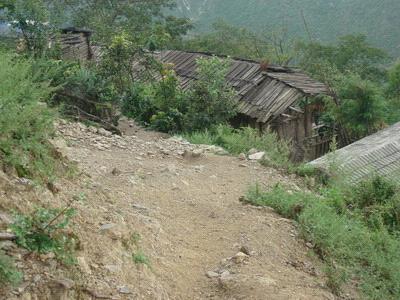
column 325, row 19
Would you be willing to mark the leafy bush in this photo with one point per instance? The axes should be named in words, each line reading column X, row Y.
column 378, row 202
column 26, row 123
column 138, row 103
column 374, row 191
column 8, row 272
column 44, row 231
column 165, row 107
column 241, row 140
column 342, row 237
column 211, row 100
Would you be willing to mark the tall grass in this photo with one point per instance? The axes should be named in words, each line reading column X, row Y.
column 241, row 140
column 25, row 121
column 357, row 239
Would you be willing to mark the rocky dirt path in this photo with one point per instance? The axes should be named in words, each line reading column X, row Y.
column 200, row 241
column 158, row 218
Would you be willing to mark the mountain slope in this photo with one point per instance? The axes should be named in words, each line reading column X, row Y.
column 326, row 19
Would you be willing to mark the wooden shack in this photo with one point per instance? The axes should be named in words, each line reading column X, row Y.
column 269, row 98
column 75, row 44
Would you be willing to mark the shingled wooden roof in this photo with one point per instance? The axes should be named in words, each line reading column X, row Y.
column 263, row 94
column 378, row 154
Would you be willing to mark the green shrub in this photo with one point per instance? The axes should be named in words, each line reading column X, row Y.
column 350, row 248
column 26, row 123
column 138, row 103
column 211, row 101
column 43, row 231
column 141, row 258
column 165, row 107
column 8, row 272
column 374, row 191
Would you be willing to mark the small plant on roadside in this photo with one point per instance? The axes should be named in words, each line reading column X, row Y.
column 44, row 231
column 8, row 272
column 140, row 258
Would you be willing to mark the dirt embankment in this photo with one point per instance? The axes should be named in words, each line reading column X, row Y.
column 158, row 218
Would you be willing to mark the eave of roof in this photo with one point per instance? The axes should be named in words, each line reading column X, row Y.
column 377, row 154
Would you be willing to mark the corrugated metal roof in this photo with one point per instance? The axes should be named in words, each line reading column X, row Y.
column 263, row 94
column 376, row 154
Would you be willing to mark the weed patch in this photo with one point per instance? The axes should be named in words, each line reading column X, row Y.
column 140, row 258
column 342, row 237
column 238, row 141
column 44, row 231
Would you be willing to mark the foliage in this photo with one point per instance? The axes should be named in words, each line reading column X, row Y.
column 43, row 231
column 317, row 20
column 352, row 53
column 32, row 19
column 144, row 21
column 79, row 87
column 343, row 237
column 164, row 106
column 8, row 272
column 25, row 121
column 238, row 141
column 116, row 63
column 392, row 109
column 362, row 105
column 157, row 104
column 394, row 79
column 140, row 258
column 226, row 39
column 211, row 99
column 353, row 69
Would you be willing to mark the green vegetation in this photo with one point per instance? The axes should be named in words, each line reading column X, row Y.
column 225, row 39
column 26, row 123
column 238, row 141
column 140, row 258
column 354, row 230
column 44, row 231
column 8, row 272
column 354, row 71
column 317, row 20
column 165, row 107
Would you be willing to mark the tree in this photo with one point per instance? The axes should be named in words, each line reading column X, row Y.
column 362, row 105
column 138, row 18
column 352, row 53
column 393, row 94
column 31, row 18
column 394, row 80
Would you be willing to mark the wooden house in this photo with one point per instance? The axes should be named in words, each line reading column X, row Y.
column 270, row 97
column 75, row 44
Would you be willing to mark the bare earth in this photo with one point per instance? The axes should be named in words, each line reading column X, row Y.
column 187, row 213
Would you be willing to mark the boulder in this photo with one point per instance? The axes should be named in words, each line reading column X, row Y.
column 257, row 156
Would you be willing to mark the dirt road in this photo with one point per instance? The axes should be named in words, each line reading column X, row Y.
column 158, row 218
column 190, row 222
